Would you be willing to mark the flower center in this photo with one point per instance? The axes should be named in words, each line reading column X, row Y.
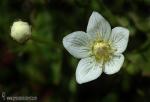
column 102, row 51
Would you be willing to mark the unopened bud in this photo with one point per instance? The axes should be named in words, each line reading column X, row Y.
column 21, row 31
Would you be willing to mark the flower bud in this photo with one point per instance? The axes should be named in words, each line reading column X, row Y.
column 21, row 31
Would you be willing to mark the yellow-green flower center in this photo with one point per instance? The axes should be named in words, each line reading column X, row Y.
column 102, row 51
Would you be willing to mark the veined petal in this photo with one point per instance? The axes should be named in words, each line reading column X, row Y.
column 77, row 44
column 119, row 38
column 114, row 65
column 87, row 70
column 98, row 27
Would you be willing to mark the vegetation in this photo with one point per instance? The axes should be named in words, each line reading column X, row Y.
column 43, row 68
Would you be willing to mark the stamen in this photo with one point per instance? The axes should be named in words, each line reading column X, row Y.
column 102, row 51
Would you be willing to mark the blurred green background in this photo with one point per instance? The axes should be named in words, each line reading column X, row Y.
column 47, row 70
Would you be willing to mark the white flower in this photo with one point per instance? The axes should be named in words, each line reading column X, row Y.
column 20, row 31
column 100, row 48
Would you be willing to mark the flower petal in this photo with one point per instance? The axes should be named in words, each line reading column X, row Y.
column 119, row 38
column 77, row 44
column 114, row 65
column 98, row 27
column 87, row 70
